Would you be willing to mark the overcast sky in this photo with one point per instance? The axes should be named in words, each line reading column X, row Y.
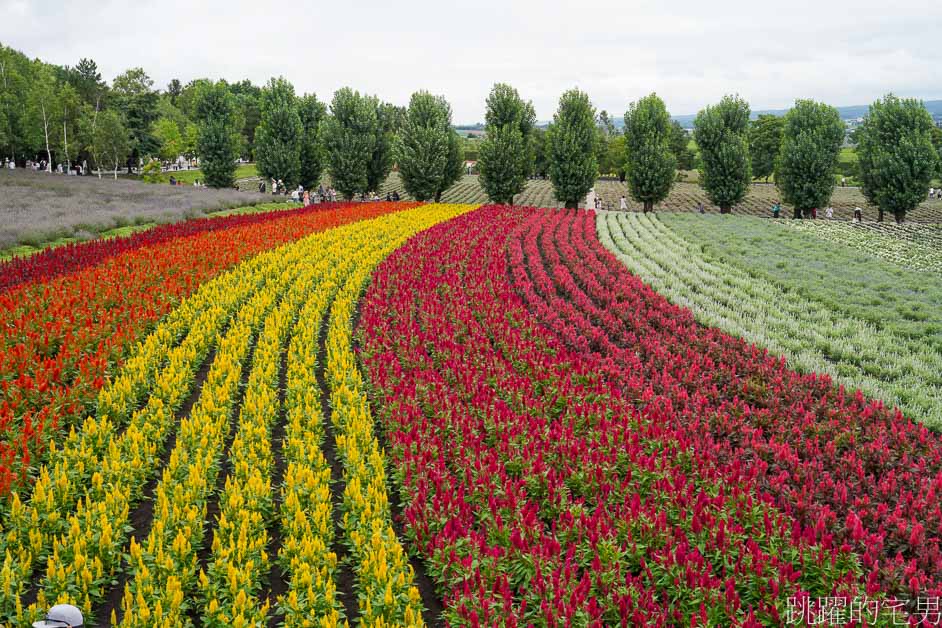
column 690, row 52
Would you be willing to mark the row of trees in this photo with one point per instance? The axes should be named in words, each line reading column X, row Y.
column 898, row 147
column 65, row 114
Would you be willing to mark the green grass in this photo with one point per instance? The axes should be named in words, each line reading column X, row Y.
column 25, row 250
column 904, row 302
column 187, row 177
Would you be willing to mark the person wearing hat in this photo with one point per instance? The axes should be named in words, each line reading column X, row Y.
column 61, row 616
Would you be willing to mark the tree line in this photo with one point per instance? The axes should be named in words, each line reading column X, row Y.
column 69, row 113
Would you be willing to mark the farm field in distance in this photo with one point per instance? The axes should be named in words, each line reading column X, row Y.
column 683, row 197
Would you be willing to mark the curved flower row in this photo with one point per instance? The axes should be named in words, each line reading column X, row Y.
column 836, row 462
column 555, row 455
column 814, row 337
column 165, row 584
column 164, row 567
column 78, row 469
column 60, row 260
column 59, row 338
column 387, row 595
column 97, row 532
column 307, row 561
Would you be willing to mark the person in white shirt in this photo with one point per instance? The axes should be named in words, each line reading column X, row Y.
column 622, row 204
column 829, row 212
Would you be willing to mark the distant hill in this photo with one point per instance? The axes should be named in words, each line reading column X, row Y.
column 851, row 112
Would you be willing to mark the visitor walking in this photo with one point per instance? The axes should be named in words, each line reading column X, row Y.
column 622, row 204
column 307, row 198
column 274, row 186
column 700, row 208
column 858, row 215
column 261, row 187
column 829, row 213
column 814, row 213
column 843, row 181
column 776, row 210
column 395, row 196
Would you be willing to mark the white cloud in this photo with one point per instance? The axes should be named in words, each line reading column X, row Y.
column 689, row 52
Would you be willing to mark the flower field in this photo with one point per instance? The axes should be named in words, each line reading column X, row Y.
column 816, row 337
column 394, row 414
column 918, row 247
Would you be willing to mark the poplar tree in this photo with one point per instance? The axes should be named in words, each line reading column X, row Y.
column 720, row 133
column 349, row 136
column 506, row 152
column 311, row 112
column 811, row 143
column 652, row 165
column 218, row 135
column 278, row 137
column 896, row 156
column 572, row 140
column 427, row 147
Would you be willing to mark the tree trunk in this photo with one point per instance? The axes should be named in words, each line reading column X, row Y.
column 726, row 210
column 46, row 133
column 95, row 139
column 797, row 214
column 572, row 204
column 65, row 140
column 438, row 197
column 880, row 215
column 900, row 216
column 648, row 206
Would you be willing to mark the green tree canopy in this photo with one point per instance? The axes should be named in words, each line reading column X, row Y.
column 135, row 98
column 937, row 142
column 168, row 135
column 896, row 155
column 312, row 112
column 680, row 147
column 278, row 137
column 111, row 142
column 424, row 145
column 652, row 165
column 506, row 156
column 218, row 135
column 811, row 143
column 384, row 141
column 765, row 140
column 572, row 139
column 541, row 153
column 720, row 133
column 349, row 135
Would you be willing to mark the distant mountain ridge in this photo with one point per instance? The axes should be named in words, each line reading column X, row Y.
column 850, row 112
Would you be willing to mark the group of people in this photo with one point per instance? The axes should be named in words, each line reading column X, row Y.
column 196, row 183
column 322, row 195
column 813, row 214
column 599, row 203
column 935, row 193
column 42, row 165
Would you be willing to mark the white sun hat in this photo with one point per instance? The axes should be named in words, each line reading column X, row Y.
column 61, row 616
